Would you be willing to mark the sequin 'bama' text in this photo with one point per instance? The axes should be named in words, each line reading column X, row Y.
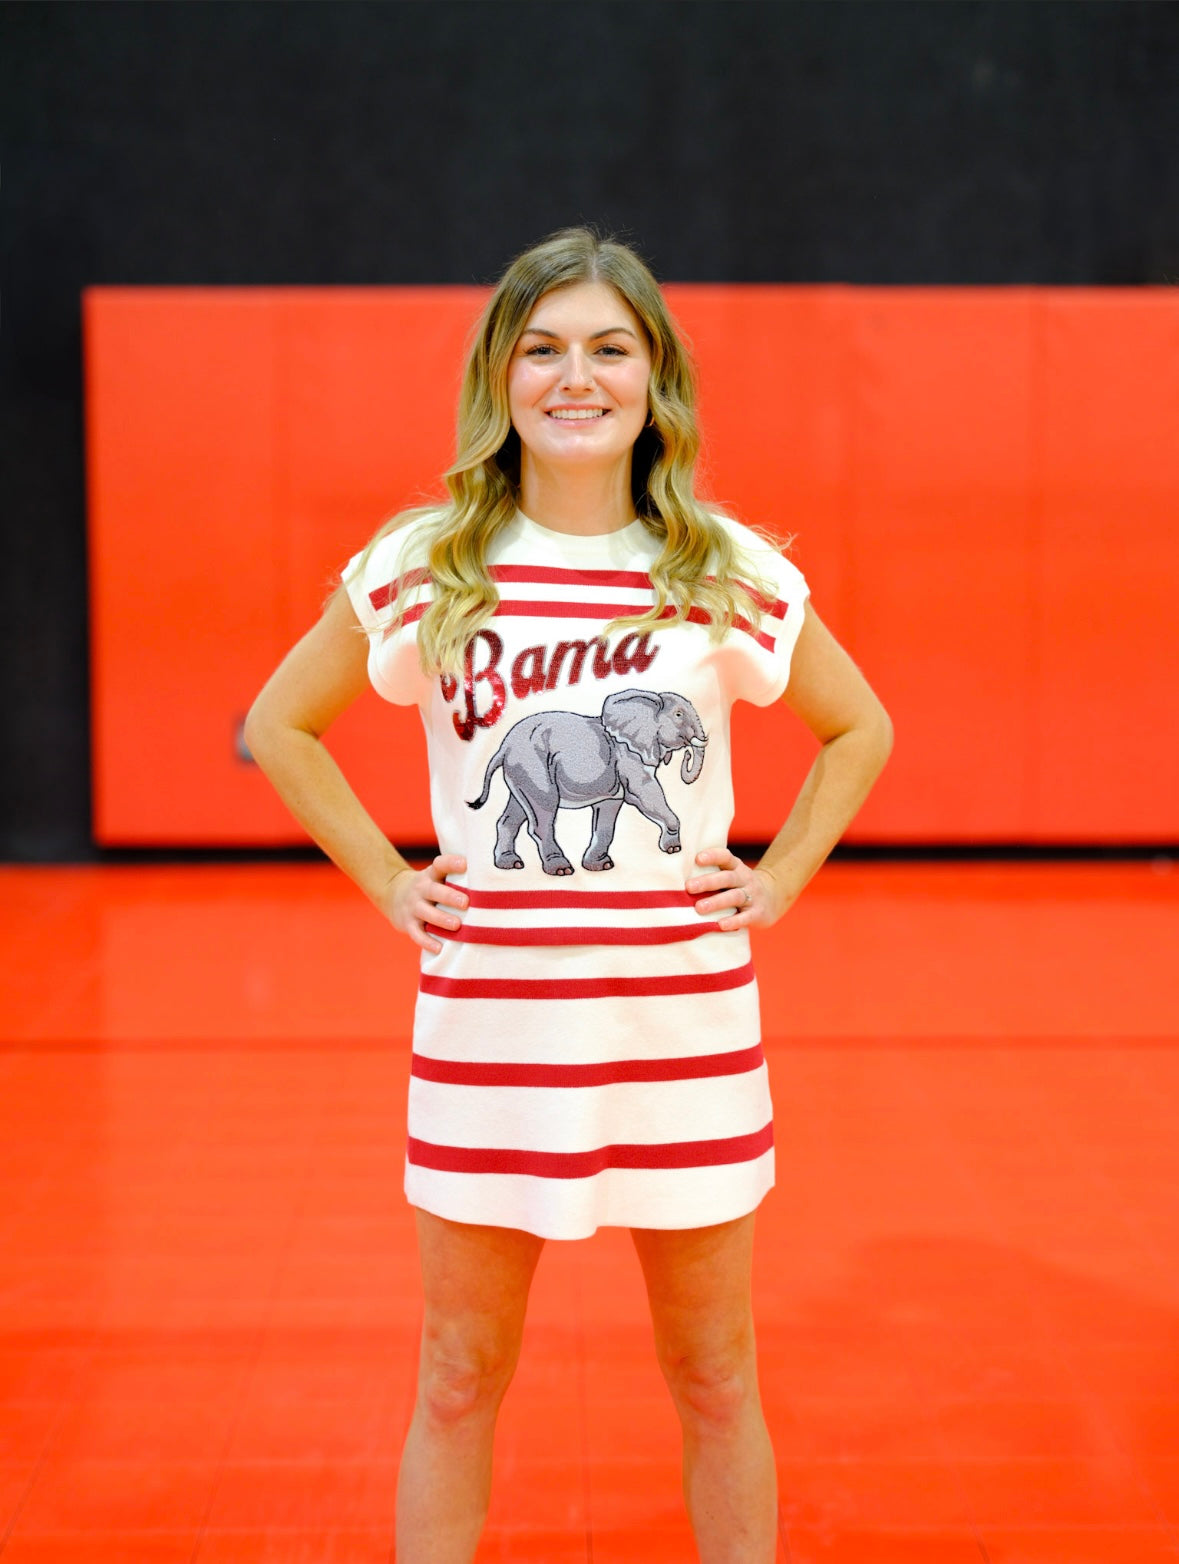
column 533, row 670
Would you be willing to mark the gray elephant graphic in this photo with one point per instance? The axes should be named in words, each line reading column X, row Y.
column 563, row 760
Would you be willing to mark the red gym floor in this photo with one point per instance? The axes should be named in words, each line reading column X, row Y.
column 969, row 1271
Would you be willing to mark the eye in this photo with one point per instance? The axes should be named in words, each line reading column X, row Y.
column 538, row 349
column 613, row 351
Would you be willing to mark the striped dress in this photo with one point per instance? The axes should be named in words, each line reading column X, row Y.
column 587, row 1048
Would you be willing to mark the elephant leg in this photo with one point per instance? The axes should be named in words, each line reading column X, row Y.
column 507, row 829
column 597, row 854
column 642, row 790
column 542, row 824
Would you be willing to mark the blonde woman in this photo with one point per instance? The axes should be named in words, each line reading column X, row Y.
column 574, row 626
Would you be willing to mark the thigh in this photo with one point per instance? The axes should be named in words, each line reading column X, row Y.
column 475, row 1279
column 699, row 1284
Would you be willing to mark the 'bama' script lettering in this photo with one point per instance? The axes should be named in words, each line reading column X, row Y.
column 534, row 669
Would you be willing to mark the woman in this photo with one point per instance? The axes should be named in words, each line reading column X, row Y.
column 586, row 1039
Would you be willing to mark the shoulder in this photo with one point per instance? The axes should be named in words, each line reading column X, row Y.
column 762, row 556
column 401, row 545
column 391, row 565
column 407, row 536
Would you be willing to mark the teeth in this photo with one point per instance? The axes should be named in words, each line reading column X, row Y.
column 578, row 412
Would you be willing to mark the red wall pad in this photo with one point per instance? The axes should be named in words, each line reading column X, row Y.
column 982, row 484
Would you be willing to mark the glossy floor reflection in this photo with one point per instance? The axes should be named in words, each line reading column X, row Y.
column 968, row 1278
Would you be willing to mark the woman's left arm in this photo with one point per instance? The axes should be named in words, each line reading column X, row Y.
column 830, row 694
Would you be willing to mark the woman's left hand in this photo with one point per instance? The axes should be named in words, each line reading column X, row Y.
column 740, row 897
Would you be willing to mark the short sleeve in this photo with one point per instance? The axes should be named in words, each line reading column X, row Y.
column 761, row 654
column 376, row 581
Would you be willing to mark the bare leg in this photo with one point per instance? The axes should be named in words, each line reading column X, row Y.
column 476, row 1282
column 698, row 1284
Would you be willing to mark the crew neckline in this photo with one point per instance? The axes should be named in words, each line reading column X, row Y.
column 581, row 543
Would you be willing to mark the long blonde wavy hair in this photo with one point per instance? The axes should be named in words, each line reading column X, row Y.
column 698, row 562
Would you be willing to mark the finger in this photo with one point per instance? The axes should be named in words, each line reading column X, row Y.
column 444, row 864
column 436, row 897
column 436, row 894
column 723, row 886
column 441, row 916
column 721, row 861
column 448, row 863
column 421, row 937
column 743, row 902
column 710, row 884
column 717, row 855
column 738, row 901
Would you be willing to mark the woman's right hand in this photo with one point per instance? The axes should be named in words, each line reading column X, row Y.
column 414, row 898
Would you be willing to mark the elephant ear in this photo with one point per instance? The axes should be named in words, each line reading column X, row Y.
column 630, row 718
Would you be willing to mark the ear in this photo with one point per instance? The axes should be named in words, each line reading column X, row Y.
column 630, row 717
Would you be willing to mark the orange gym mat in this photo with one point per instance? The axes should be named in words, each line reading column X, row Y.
column 968, row 1277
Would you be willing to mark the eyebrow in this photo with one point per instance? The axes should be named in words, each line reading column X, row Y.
column 610, row 331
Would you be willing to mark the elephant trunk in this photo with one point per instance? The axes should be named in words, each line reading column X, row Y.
column 693, row 762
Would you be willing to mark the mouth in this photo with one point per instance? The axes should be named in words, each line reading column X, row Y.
column 576, row 415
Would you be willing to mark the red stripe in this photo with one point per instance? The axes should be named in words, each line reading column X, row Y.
column 697, row 616
column 461, row 1072
column 382, row 596
column 538, row 608
column 617, row 899
column 550, row 573
column 543, row 608
column 768, row 605
column 480, row 934
column 540, row 574
column 410, row 614
column 586, row 988
column 584, row 1164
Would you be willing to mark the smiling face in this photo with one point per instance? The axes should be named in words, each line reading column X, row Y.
column 578, row 378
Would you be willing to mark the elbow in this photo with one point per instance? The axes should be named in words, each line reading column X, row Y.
column 872, row 736
column 255, row 730
column 270, row 735
column 882, row 737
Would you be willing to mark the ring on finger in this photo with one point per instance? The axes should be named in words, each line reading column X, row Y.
column 748, row 902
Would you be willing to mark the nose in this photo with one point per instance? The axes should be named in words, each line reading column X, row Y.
column 577, row 370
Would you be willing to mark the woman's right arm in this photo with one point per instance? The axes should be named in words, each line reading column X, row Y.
column 319, row 678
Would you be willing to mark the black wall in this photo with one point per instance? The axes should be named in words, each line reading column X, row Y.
column 270, row 143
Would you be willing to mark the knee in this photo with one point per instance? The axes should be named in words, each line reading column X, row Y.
column 460, row 1381
column 713, row 1391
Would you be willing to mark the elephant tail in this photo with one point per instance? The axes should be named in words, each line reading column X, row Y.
column 493, row 766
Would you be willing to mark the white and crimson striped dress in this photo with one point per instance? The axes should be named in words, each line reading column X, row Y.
column 587, row 1048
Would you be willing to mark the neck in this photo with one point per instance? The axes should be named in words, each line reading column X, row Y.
column 586, row 503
